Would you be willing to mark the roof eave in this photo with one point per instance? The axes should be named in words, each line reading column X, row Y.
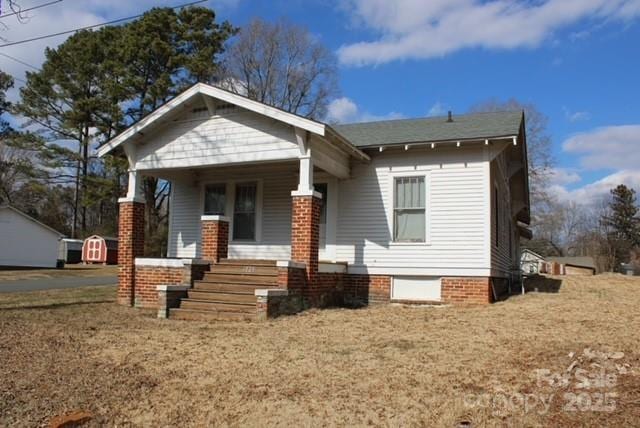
column 221, row 94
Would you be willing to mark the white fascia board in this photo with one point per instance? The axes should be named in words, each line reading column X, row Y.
column 145, row 122
column 202, row 88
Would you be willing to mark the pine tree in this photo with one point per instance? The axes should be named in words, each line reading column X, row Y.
column 623, row 223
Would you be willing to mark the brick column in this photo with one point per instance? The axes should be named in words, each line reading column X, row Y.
column 215, row 237
column 305, row 230
column 130, row 246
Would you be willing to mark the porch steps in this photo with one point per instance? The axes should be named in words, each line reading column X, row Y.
column 227, row 291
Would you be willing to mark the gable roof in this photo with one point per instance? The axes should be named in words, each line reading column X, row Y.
column 533, row 253
column 28, row 217
column 473, row 126
column 221, row 94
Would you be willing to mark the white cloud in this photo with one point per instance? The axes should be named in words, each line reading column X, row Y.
column 344, row 110
column 563, row 176
column 594, row 192
column 611, row 147
column 418, row 29
column 576, row 116
column 601, row 149
column 438, row 109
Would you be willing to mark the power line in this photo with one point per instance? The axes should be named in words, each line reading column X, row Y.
column 30, row 8
column 115, row 21
column 19, row 61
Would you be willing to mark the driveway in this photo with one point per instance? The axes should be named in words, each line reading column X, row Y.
column 53, row 283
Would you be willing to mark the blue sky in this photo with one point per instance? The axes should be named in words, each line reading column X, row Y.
column 578, row 61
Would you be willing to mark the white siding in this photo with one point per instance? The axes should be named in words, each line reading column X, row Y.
column 456, row 214
column 26, row 243
column 239, row 136
column 277, row 183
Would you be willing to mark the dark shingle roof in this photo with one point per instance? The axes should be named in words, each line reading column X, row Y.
column 432, row 129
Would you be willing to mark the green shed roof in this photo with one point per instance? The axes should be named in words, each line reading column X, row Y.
column 432, row 129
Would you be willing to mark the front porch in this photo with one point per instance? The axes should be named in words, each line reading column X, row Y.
column 245, row 240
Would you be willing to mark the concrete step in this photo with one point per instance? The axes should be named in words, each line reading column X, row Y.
column 196, row 315
column 243, row 269
column 207, row 305
column 235, row 288
column 256, row 262
column 214, row 296
column 234, row 278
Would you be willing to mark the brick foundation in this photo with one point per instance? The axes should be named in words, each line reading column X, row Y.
column 366, row 289
column 147, row 280
column 467, row 290
column 130, row 246
column 150, row 273
column 215, row 238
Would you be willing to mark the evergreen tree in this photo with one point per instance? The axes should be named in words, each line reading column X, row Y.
column 68, row 100
column 623, row 223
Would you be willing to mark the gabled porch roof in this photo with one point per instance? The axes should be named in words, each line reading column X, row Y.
column 201, row 89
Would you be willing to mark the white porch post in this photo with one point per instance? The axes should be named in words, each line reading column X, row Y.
column 305, row 180
column 134, row 187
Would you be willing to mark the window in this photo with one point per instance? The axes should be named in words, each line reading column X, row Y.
column 215, row 199
column 244, row 213
column 409, row 209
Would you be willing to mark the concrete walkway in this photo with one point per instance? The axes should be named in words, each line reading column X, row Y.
column 53, row 283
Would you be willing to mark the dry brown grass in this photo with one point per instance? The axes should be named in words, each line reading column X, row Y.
column 390, row 365
column 11, row 274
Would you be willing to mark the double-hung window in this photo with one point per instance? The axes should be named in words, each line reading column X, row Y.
column 215, row 199
column 409, row 209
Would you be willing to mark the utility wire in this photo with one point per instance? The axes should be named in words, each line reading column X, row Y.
column 115, row 21
column 19, row 61
column 30, row 8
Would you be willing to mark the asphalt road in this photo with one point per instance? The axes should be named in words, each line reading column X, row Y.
column 53, row 283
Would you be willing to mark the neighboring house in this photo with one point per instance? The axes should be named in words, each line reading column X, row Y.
column 530, row 262
column 570, row 265
column 417, row 210
column 25, row 242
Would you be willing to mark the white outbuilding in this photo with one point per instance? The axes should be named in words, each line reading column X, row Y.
column 24, row 241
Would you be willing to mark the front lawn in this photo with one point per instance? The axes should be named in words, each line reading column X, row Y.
column 525, row 361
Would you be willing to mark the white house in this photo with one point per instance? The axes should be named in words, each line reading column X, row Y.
column 428, row 209
column 25, row 241
column 530, row 262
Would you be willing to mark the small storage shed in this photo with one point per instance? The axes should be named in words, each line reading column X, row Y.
column 99, row 249
column 25, row 242
column 70, row 251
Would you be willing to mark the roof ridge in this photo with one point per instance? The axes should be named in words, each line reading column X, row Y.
column 410, row 119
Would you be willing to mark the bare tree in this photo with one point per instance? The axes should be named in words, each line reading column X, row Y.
column 538, row 144
column 282, row 65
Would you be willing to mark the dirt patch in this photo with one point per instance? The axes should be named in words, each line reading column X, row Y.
column 11, row 274
column 388, row 365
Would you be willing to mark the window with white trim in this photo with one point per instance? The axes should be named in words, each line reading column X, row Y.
column 409, row 209
column 215, row 199
column 244, row 211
